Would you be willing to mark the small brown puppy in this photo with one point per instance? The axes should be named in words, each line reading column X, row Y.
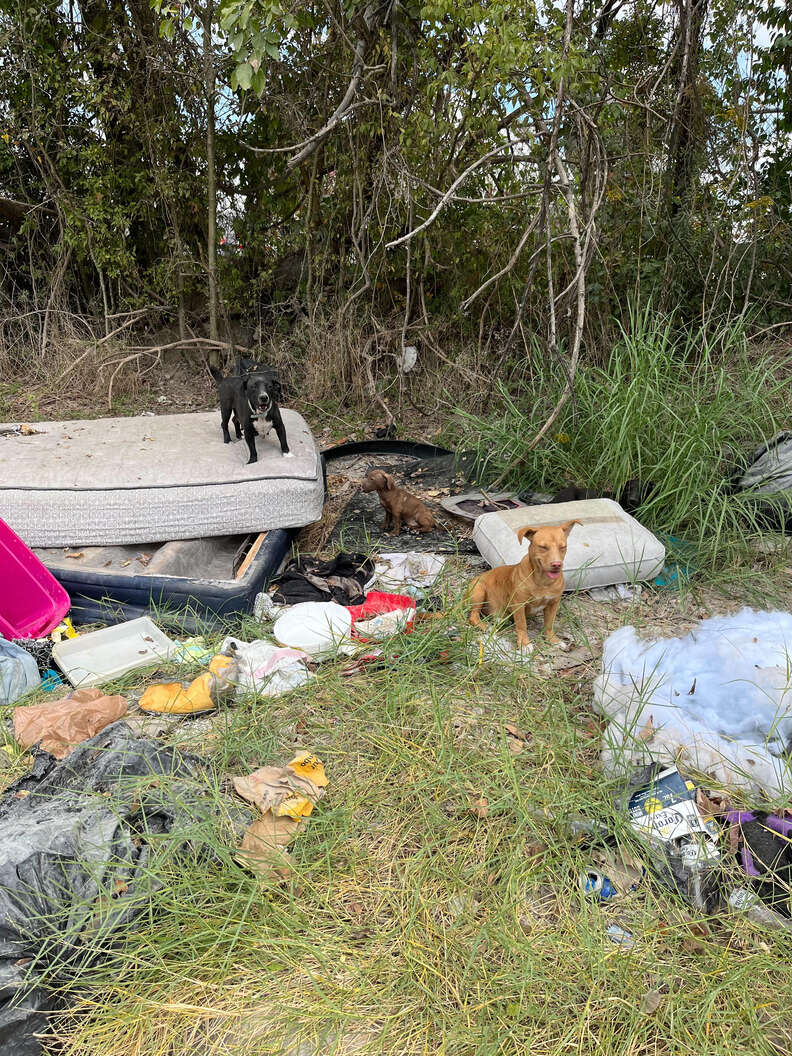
column 399, row 505
column 533, row 585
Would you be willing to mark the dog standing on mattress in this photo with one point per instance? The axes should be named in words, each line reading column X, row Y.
column 533, row 585
column 252, row 393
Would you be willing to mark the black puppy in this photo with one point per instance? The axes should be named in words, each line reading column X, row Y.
column 249, row 395
column 252, row 366
column 630, row 498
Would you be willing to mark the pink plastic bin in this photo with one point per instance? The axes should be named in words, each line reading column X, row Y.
column 32, row 601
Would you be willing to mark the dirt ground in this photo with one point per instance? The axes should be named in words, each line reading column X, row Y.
column 178, row 385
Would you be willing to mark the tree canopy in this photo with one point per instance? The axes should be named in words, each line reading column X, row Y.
column 525, row 169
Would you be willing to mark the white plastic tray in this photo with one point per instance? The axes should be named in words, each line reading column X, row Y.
column 100, row 656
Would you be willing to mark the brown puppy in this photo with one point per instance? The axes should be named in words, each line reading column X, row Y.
column 399, row 505
column 533, row 585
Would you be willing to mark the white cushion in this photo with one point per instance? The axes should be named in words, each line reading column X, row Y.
column 608, row 547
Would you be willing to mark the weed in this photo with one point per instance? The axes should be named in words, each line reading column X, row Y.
column 672, row 410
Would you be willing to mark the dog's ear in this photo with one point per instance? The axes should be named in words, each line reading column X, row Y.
column 390, row 483
column 567, row 526
column 526, row 533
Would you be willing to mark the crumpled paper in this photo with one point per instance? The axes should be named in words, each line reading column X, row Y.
column 60, row 725
column 285, row 795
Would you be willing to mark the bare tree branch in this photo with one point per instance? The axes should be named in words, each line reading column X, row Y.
column 449, row 194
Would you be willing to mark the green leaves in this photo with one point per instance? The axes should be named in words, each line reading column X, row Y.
column 242, row 77
column 255, row 30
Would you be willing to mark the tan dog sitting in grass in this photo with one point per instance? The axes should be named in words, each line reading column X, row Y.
column 399, row 505
column 533, row 585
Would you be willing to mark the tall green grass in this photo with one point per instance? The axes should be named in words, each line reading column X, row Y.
column 670, row 407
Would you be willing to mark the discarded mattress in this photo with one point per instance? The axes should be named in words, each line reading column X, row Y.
column 608, row 547
column 190, row 582
column 718, row 700
column 134, row 480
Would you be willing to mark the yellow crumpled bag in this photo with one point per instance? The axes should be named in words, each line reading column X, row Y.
column 285, row 795
column 203, row 694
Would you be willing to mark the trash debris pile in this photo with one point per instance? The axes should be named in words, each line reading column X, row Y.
column 696, row 727
column 694, row 844
column 309, row 578
column 81, row 838
column 285, row 796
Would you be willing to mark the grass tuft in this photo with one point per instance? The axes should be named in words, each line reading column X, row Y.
column 674, row 410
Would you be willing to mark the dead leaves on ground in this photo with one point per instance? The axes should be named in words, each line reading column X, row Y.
column 479, row 806
column 516, row 739
column 650, row 1002
column 647, row 731
column 286, row 796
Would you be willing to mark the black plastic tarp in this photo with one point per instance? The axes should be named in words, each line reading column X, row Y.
column 78, row 840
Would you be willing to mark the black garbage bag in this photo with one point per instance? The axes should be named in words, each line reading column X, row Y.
column 78, row 839
column 766, row 855
column 766, row 483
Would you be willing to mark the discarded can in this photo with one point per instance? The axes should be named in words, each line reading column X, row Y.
column 620, row 936
column 596, row 884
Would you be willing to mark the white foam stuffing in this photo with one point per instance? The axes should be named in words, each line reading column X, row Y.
column 718, row 700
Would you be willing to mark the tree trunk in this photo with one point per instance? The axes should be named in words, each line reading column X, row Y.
column 211, row 176
column 683, row 140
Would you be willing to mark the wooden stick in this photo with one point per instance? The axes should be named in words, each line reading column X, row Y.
column 250, row 555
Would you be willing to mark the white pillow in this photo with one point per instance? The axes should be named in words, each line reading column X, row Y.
column 608, row 547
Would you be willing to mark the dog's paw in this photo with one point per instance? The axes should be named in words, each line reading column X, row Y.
column 556, row 643
column 287, row 454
